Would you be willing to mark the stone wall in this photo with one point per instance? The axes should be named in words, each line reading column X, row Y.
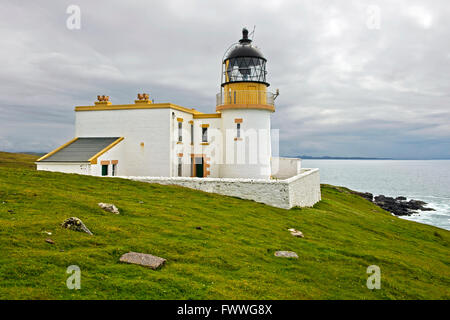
column 300, row 190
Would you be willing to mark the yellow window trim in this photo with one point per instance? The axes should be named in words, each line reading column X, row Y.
column 205, row 125
column 57, row 149
column 205, row 143
column 93, row 160
column 180, row 119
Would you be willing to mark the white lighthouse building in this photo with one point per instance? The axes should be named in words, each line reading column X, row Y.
column 147, row 139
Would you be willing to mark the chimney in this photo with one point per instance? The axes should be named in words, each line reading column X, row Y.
column 143, row 98
column 102, row 101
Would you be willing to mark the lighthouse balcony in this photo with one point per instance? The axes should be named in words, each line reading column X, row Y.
column 245, row 99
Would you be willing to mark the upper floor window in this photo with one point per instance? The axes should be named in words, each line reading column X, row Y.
column 192, row 133
column 204, row 134
column 238, row 130
column 180, row 131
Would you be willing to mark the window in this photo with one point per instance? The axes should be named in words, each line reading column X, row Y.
column 192, row 133
column 104, row 170
column 180, row 166
column 204, row 134
column 180, row 131
column 114, row 170
column 238, row 130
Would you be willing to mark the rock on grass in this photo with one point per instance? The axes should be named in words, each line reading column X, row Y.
column 75, row 224
column 286, row 254
column 296, row 233
column 143, row 259
column 109, row 207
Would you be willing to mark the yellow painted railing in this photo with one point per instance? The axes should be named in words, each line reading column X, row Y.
column 245, row 97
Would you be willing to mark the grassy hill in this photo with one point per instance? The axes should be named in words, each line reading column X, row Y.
column 17, row 160
column 231, row 257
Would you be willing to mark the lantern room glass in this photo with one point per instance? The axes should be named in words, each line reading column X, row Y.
column 252, row 69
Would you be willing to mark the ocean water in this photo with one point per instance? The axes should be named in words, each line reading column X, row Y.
column 426, row 180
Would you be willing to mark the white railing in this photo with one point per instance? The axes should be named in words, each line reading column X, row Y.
column 245, row 97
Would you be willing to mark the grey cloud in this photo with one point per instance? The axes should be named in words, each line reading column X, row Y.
column 345, row 89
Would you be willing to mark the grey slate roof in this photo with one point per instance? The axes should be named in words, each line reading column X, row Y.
column 81, row 150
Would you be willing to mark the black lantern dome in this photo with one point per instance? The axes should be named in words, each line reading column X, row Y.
column 244, row 63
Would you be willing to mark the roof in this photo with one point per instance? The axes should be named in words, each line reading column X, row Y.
column 245, row 50
column 86, row 149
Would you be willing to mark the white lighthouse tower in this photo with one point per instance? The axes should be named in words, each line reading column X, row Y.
column 245, row 106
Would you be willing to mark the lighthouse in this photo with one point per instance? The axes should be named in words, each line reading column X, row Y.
column 246, row 106
column 226, row 152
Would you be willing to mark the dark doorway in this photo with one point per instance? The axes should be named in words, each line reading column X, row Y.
column 104, row 170
column 198, row 167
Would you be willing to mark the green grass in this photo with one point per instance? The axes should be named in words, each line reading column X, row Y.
column 17, row 160
column 231, row 257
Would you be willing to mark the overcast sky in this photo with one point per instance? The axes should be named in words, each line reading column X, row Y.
column 351, row 84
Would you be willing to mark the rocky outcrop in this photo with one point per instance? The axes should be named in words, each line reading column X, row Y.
column 75, row 224
column 400, row 206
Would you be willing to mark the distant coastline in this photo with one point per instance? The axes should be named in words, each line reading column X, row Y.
column 305, row 157
column 340, row 158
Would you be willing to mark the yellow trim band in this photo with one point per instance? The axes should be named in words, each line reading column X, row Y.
column 207, row 115
column 93, row 160
column 137, row 106
column 57, row 149
column 246, row 106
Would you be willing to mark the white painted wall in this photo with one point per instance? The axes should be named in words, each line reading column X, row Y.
column 249, row 157
column 116, row 153
column 213, row 151
column 304, row 189
column 283, row 168
column 148, row 126
column 65, row 167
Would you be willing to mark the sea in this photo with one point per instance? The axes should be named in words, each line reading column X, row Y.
column 426, row 180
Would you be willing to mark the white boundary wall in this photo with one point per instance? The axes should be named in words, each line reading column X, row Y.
column 284, row 168
column 301, row 190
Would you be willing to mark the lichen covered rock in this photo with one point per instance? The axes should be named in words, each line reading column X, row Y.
column 75, row 224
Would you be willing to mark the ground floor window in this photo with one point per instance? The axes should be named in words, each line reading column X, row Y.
column 104, row 169
column 180, row 167
column 114, row 170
